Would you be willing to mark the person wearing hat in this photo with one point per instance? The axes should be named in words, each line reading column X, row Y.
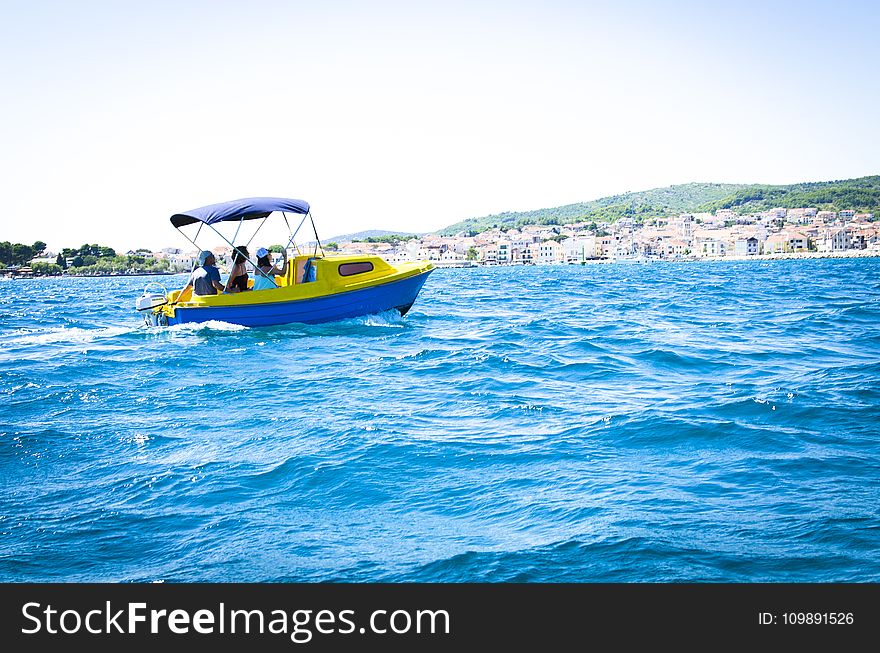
column 264, row 275
column 205, row 279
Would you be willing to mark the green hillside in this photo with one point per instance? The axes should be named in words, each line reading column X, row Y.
column 373, row 234
column 861, row 194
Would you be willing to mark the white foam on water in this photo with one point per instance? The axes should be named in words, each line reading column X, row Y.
column 210, row 325
column 389, row 318
column 69, row 335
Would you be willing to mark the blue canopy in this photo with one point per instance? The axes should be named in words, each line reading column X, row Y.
column 249, row 208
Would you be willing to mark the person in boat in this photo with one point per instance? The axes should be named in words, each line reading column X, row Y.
column 205, row 279
column 264, row 277
column 238, row 276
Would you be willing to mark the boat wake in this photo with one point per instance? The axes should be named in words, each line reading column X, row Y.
column 390, row 318
column 210, row 325
column 64, row 335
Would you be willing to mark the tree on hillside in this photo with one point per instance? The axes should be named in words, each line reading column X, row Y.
column 862, row 195
column 19, row 253
column 98, row 251
column 392, row 239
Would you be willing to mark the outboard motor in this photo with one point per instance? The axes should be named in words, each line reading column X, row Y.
column 155, row 295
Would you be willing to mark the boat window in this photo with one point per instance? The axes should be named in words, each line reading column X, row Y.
column 348, row 269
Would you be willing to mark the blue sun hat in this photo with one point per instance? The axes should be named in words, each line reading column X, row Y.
column 204, row 256
column 262, row 252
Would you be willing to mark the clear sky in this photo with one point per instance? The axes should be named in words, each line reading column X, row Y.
column 414, row 115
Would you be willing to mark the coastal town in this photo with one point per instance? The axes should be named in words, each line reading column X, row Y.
column 722, row 235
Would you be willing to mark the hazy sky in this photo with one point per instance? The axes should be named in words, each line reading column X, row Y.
column 414, row 115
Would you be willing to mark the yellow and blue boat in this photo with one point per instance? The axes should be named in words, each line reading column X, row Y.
column 317, row 287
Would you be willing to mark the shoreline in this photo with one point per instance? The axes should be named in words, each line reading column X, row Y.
column 786, row 256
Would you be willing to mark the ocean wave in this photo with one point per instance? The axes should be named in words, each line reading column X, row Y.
column 597, row 423
column 63, row 335
column 210, row 325
column 391, row 318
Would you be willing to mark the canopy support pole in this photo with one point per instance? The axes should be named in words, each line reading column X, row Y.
column 238, row 228
column 294, row 233
column 192, row 267
column 240, row 222
column 317, row 240
column 238, row 251
column 188, row 238
column 257, row 231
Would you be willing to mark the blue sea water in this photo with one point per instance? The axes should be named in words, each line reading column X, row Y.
column 665, row 422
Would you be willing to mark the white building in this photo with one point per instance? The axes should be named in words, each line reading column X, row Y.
column 837, row 240
column 798, row 242
column 798, row 216
column 684, row 225
column 521, row 255
column 401, row 255
column 712, row 247
column 548, row 253
column 746, row 246
column 786, row 241
column 674, row 247
column 579, row 248
column 503, row 255
column 452, row 256
column 432, row 252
